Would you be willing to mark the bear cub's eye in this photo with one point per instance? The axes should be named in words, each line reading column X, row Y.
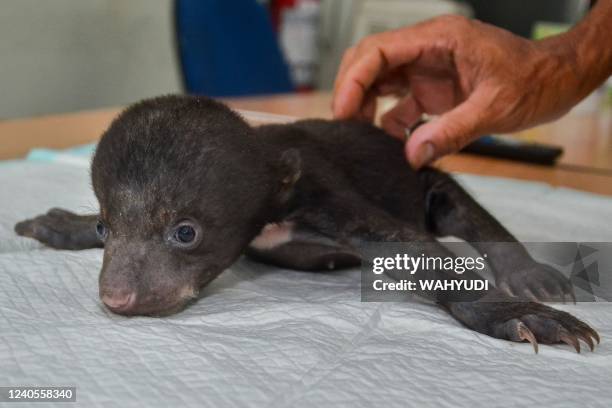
column 101, row 230
column 185, row 234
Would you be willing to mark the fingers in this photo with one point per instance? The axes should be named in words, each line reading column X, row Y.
column 449, row 132
column 353, row 86
column 363, row 65
column 368, row 108
column 401, row 117
column 347, row 60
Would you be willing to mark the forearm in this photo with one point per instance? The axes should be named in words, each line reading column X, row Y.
column 586, row 50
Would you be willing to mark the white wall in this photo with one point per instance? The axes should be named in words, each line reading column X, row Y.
column 345, row 22
column 66, row 55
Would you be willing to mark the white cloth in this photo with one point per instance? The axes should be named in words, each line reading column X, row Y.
column 262, row 336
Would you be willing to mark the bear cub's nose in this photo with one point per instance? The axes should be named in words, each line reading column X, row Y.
column 119, row 301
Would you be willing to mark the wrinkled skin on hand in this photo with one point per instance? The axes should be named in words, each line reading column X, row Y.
column 481, row 79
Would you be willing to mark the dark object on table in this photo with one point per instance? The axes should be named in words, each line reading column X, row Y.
column 514, row 149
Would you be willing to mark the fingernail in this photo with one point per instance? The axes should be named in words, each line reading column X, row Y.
column 425, row 155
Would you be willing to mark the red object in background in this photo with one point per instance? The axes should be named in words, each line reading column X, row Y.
column 276, row 8
column 296, row 23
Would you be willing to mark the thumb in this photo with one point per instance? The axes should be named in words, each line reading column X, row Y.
column 446, row 134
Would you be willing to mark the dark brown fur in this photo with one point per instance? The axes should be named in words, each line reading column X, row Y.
column 177, row 159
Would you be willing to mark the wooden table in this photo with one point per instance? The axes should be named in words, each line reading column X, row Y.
column 587, row 139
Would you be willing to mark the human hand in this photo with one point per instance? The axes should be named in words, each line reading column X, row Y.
column 479, row 78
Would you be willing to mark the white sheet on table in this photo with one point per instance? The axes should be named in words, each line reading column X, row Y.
column 263, row 336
